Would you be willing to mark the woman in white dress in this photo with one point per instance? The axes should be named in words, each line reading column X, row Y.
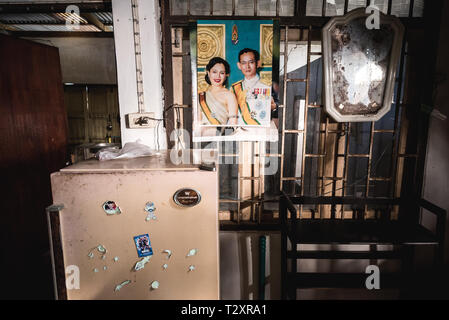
column 218, row 105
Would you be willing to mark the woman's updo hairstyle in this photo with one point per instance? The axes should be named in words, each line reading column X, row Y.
column 212, row 63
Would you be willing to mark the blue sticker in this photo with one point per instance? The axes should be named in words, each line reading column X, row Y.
column 262, row 115
column 259, row 104
column 143, row 245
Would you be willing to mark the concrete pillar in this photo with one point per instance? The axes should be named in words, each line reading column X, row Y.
column 150, row 38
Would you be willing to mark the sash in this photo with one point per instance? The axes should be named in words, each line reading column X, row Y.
column 244, row 108
column 206, row 110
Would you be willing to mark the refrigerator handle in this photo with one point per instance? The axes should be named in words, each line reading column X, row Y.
column 56, row 254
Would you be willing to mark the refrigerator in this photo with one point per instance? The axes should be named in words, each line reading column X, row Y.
column 142, row 228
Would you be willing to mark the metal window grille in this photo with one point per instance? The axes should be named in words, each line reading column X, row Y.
column 331, row 158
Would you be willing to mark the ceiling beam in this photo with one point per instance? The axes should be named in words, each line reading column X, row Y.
column 105, row 6
column 63, row 34
column 6, row 27
column 92, row 19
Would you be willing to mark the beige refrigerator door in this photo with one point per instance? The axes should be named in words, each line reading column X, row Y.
column 85, row 228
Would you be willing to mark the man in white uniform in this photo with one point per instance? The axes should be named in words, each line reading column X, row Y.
column 253, row 97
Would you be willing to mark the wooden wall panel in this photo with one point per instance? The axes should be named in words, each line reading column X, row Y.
column 33, row 141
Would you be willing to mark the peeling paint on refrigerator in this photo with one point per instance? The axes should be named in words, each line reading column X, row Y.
column 83, row 189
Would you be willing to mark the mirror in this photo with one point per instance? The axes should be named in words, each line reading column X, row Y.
column 360, row 65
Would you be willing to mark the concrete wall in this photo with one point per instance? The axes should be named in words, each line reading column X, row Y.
column 85, row 60
column 436, row 180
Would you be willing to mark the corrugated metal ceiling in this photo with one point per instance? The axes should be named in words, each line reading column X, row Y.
column 59, row 21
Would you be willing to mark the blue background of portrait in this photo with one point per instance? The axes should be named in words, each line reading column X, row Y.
column 249, row 37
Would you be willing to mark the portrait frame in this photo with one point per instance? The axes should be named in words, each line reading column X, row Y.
column 267, row 132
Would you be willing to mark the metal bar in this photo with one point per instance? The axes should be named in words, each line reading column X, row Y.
column 323, row 163
column 188, row 7
column 397, row 128
column 345, row 200
column 323, row 9
column 228, row 155
column 332, row 178
column 383, row 131
column 239, row 183
column 390, row 4
column 293, row 131
column 284, row 109
column 345, row 10
column 334, row 184
column 283, row 220
column 261, row 181
column 255, row 200
column 315, row 21
column 359, row 155
column 380, row 179
column 271, row 155
column 345, row 165
column 249, row 178
column 368, row 174
column 252, row 213
column 277, row 8
column 296, row 80
column 180, row 54
column 56, row 251
column 233, row 7
column 291, row 178
column 309, row 45
column 315, row 155
column 323, row 254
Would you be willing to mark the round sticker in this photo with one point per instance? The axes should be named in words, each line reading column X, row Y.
column 110, row 207
column 187, row 197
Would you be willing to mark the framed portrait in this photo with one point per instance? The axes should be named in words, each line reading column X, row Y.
column 233, row 63
column 360, row 65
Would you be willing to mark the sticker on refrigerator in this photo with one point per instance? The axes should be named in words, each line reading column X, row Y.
column 111, row 208
column 187, row 197
column 150, row 208
column 143, row 245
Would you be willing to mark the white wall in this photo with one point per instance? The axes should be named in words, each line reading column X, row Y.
column 149, row 18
